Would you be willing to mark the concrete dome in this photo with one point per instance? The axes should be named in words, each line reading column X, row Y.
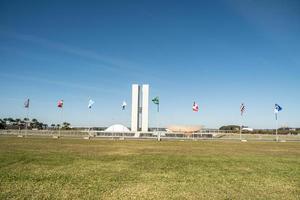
column 117, row 128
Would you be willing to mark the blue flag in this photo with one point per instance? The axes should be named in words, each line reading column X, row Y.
column 277, row 109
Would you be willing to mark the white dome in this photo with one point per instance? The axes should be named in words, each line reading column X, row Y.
column 117, row 128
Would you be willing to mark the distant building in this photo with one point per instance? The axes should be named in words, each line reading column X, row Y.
column 139, row 107
column 247, row 129
column 117, row 128
column 184, row 129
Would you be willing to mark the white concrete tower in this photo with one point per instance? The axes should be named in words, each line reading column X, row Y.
column 145, row 106
column 140, row 105
column 135, row 98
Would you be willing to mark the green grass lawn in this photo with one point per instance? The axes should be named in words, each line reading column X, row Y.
column 105, row 169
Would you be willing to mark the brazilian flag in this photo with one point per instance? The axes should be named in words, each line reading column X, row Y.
column 155, row 100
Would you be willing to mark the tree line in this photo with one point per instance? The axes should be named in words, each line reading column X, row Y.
column 282, row 130
column 25, row 123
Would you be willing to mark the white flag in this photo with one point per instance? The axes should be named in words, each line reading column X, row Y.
column 91, row 102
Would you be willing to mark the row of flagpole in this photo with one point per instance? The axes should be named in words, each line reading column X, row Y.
column 156, row 101
column 60, row 105
column 277, row 108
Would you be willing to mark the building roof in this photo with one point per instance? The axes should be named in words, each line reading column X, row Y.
column 184, row 128
column 117, row 128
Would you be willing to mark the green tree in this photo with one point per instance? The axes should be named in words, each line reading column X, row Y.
column 34, row 123
column 66, row 126
column 45, row 126
column 52, row 126
column 10, row 120
column 230, row 128
column 2, row 124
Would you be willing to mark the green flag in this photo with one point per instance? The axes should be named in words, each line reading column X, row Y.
column 155, row 100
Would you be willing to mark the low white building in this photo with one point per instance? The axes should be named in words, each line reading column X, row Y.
column 117, row 128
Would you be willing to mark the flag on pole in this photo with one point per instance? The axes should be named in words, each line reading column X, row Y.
column 195, row 107
column 91, row 102
column 155, row 100
column 60, row 103
column 26, row 103
column 124, row 104
column 277, row 109
column 242, row 108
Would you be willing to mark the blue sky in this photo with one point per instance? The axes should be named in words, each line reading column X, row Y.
column 217, row 53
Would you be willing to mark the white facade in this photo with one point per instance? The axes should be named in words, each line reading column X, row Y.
column 140, row 104
column 145, row 106
column 135, row 107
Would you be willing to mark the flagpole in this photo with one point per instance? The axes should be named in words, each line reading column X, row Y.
column 194, row 132
column 61, row 119
column 124, row 123
column 27, row 111
column 157, row 117
column 123, row 116
column 123, row 132
column 195, row 108
column 157, row 123
column 276, row 127
column 241, row 123
column 277, row 109
column 155, row 100
column 90, row 121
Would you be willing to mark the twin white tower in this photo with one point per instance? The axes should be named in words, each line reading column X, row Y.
column 140, row 104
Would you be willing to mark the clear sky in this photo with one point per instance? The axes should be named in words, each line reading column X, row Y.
column 217, row 53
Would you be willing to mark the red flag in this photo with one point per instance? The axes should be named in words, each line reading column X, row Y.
column 195, row 107
column 60, row 103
